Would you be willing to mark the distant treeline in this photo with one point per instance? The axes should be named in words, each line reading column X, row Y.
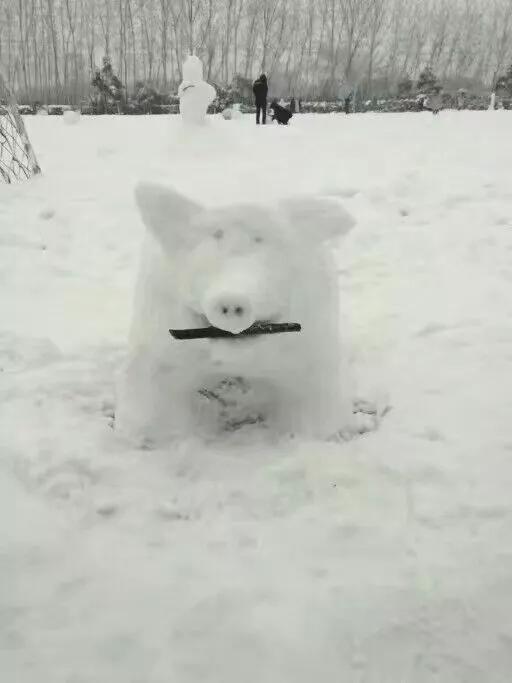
column 50, row 49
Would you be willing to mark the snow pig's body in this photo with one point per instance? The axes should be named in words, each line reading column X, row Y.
column 229, row 268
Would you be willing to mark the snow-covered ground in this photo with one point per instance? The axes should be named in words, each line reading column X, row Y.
column 386, row 559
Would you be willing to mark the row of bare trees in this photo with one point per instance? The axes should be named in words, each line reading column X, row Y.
column 49, row 48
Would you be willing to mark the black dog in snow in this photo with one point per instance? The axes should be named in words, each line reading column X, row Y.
column 280, row 114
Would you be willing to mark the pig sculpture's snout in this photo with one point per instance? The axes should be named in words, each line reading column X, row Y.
column 229, row 311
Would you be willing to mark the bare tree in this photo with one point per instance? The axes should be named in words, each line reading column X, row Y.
column 191, row 12
column 239, row 7
column 253, row 13
column 269, row 17
column 53, row 35
column 356, row 15
column 176, row 9
column 333, row 18
column 71, row 7
column 279, row 32
column 104, row 16
column 89, row 10
column 376, row 19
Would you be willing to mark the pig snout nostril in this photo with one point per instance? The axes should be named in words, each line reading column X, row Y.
column 239, row 311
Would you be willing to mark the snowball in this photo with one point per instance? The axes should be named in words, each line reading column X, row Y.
column 71, row 117
column 231, row 114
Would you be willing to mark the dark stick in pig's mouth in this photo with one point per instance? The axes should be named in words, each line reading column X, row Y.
column 254, row 330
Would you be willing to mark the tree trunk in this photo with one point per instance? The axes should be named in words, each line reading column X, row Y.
column 22, row 39
column 51, row 21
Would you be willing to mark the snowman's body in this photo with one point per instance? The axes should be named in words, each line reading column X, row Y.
column 194, row 93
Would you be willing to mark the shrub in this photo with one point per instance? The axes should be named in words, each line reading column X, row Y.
column 405, row 87
column 107, row 87
column 427, row 81
column 504, row 84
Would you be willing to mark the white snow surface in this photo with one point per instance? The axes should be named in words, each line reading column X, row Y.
column 387, row 558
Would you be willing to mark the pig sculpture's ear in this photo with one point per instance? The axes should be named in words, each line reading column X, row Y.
column 166, row 214
column 318, row 218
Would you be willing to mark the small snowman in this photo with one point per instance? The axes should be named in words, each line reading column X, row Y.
column 195, row 94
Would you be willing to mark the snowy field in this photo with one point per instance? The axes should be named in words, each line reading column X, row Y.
column 385, row 559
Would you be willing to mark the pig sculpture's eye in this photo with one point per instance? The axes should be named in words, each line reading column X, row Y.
column 258, row 239
column 218, row 234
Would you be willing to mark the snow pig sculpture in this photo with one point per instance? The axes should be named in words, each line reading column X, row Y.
column 230, row 267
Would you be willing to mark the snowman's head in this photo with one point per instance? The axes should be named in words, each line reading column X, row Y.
column 193, row 69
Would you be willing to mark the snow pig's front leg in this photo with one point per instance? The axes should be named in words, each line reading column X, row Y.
column 154, row 398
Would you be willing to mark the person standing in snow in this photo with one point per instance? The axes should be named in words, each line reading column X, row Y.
column 260, row 90
column 436, row 101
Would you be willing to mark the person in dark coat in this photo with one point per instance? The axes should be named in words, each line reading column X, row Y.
column 280, row 114
column 293, row 105
column 260, row 90
column 348, row 99
column 435, row 101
